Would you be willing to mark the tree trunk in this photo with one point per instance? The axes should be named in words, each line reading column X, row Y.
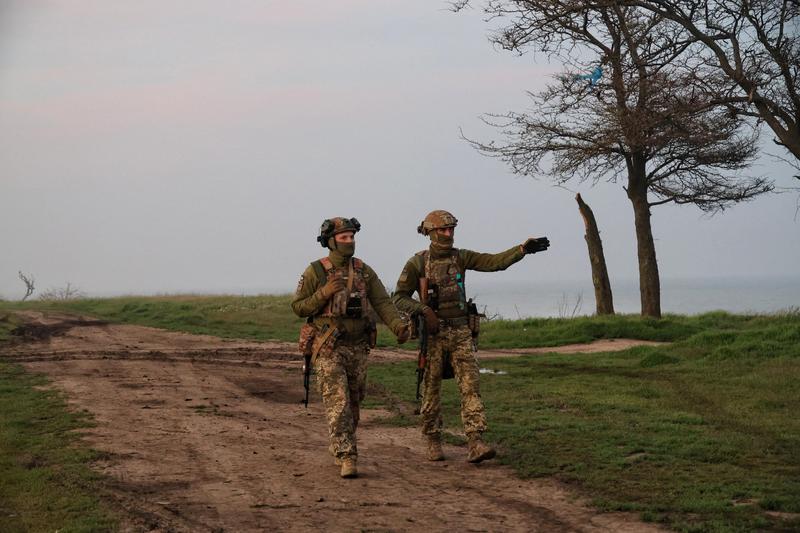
column 649, row 284
column 602, row 286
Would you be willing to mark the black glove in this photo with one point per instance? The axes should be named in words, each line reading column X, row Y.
column 531, row 246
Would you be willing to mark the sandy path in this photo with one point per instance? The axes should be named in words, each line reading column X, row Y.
column 202, row 434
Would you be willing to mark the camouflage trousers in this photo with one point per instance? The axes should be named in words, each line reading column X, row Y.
column 342, row 381
column 458, row 342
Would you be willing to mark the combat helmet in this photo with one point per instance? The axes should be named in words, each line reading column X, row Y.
column 435, row 220
column 333, row 226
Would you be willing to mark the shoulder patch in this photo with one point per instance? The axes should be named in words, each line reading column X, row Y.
column 404, row 276
column 300, row 285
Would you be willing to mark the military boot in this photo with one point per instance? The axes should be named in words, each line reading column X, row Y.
column 435, row 452
column 478, row 450
column 349, row 467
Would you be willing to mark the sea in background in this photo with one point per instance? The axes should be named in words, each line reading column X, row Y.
column 512, row 299
column 515, row 299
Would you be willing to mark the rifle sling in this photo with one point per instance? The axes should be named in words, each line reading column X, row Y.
column 330, row 330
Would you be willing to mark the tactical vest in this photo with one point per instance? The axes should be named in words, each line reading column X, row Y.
column 352, row 301
column 446, row 284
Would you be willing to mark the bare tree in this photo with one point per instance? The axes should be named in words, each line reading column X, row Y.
column 641, row 121
column 604, row 298
column 29, row 284
column 68, row 292
column 755, row 46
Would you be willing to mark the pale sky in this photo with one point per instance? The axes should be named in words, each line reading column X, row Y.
column 196, row 146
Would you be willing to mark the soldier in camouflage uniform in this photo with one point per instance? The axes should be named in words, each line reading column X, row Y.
column 336, row 294
column 450, row 342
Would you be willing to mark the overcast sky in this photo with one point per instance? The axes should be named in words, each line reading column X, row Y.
column 197, row 146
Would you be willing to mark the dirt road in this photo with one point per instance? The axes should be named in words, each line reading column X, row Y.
column 204, row 434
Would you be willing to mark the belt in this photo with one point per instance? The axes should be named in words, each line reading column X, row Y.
column 454, row 322
column 352, row 336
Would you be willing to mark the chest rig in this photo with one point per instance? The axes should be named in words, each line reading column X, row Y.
column 446, row 292
column 352, row 302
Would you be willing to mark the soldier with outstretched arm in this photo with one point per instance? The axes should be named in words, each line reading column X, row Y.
column 336, row 294
column 443, row 304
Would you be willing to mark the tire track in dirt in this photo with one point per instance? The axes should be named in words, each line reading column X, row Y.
column 203, row 434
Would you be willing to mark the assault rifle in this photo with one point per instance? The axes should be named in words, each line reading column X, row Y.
column 422, row 356
column 306, row 376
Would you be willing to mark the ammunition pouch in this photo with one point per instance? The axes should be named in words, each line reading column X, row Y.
column 433, row 297
column 353, row 307
column 307, row 334
column 351, row 302
column 324, row 340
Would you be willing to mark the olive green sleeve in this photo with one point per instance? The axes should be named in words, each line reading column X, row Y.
column 491, row 262
column 379, row 300
column 307, row 298
column 406, row 286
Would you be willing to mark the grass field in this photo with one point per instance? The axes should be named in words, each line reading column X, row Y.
column 252, row 317
column 6, row 325
column 270, row 318
column 45, row 480
column 700, row 435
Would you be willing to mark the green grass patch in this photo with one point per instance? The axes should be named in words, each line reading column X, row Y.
column 45, row 481
column 269, row 317
column 7, row 323
column 702, row 435
column 546, row 332
column 244, row 317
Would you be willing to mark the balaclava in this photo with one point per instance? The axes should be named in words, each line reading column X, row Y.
column 441, row 244
column 341, row 251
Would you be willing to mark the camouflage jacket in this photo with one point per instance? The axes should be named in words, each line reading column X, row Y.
column 468, row 260
column 309, row 301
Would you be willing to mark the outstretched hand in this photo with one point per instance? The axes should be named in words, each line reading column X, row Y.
column 531, row 246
